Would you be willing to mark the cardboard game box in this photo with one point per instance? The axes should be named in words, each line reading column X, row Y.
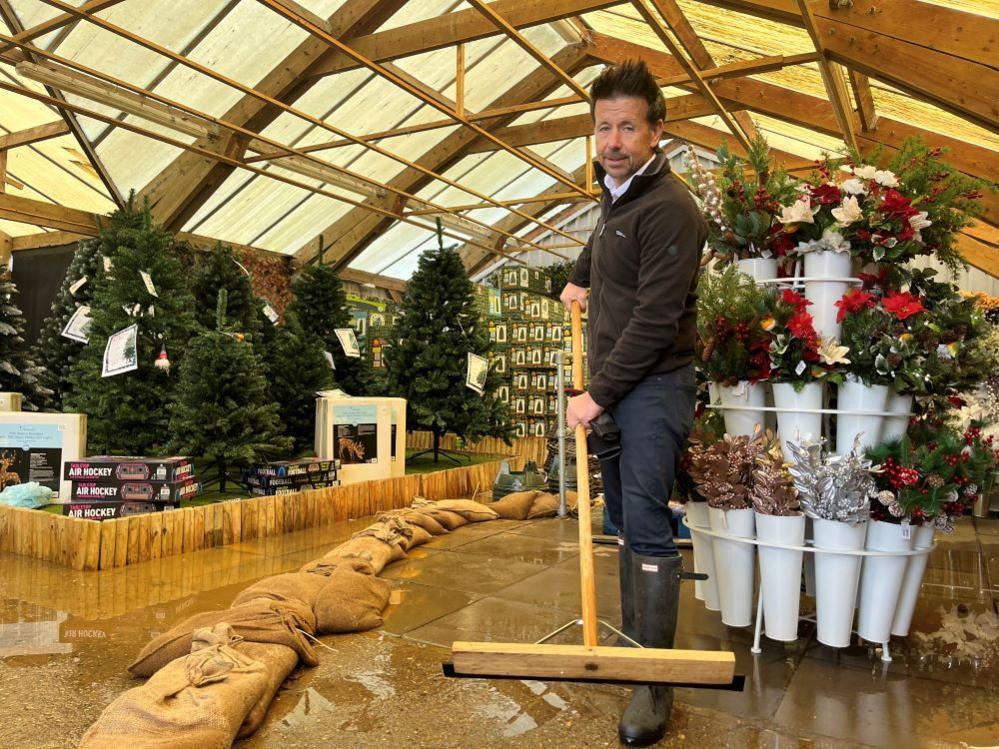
column 134, row 491
column 129, row 468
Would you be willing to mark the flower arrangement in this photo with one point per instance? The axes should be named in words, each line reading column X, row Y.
column 831, row 487
column 881, row 333
column 734, row 341
column 798, row 355
column 773, row 491
column 743, row 203
column 724, row 471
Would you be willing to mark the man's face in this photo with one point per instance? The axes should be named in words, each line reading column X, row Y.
column 624, row 138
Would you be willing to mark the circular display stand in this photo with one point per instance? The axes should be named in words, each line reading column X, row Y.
column 808, row 549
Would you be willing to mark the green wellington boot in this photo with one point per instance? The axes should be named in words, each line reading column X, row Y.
column 656, row 591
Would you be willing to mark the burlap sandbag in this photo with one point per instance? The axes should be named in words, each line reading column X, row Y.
column 546, row 505
column 351, row 602
column 448, row 519
column 327, row 567
column 259, row 620
column 389, row 530
column 197, row 701
column 420, row 536
column 377, row 552
column 278, row 661
column 425, row 521
column 291, row 586
column 514, row 506
column 472, row 511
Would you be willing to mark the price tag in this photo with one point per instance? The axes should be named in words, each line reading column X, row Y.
column 77, row 285
column 271, row 314
column 800, row 368
column 329, row 359
column 148, row 281
column 107, row 263
column 906, row 530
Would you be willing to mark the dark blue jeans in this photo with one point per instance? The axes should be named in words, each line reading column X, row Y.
column 655, row 420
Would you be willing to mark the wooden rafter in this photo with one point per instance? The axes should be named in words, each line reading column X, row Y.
column 525, row 44
column 35, row 134
column 249, row 136
column 57, row 22
column 861, row 86
column 690, row 69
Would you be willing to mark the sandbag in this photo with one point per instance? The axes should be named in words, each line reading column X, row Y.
column 259, row 620
column 515, row 506
column 472, row 511
column 326, row 567
column 389, row 530
column 290, row 586
column 377, row 552
column 424, row 520
column 448, row 519
column 420, row 536
column 546, row 505
column 197, row 701
column 278, row 661
column 351, row 602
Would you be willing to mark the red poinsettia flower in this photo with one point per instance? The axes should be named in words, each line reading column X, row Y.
column 853, row 301
column 875, row 280
column 903, row 305
column 826, row 194
column 801, row 325
column 956, row 401
column 895, row 204
column 796, row 300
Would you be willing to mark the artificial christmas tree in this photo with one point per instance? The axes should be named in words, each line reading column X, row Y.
column 18, row 372
column 220, row 270
column 222, row 409
column 296, row 369
column 53, row 351
column 146, row 287
column 320, row 304
column 428, row 354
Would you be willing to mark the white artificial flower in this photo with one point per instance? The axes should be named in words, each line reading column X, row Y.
column 833, row 240
column 799, row 213
column 865, row 171
column 854, row 186
column 848, row 212
column 885, row 178
column 846, row 168
column 919, row 221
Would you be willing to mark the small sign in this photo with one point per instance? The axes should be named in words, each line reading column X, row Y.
column 78, row 326
column 121, row 352
column 77, row 285
column 329, row 359
column 148, row 281
column 107, row 263
column 271, row 314
column 348, row 340
column 476, row 371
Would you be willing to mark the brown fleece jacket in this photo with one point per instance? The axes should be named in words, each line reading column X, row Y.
column 641, row 266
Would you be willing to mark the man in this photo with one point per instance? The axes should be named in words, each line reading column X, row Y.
column 638, row 277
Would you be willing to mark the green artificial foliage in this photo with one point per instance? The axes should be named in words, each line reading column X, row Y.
column 222, row 410
column 296, row 368
column 320, row 304
column 53, row 351
column 128, row 413
column 426, row 359
column 18, row 371
column 219, row 270
column 559, row 273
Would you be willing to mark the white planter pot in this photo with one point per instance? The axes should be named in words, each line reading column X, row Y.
column 922, row 538
column 759, row 269
column 745, row 395
column 824, row 294
column 854, row 395
column 704, row 560
column 809, row 560
column 780, row 574
column 796, row 425
column 895, row 427
column 881, row 581
column 713, row 396
column 836, row 579
column 734, row 565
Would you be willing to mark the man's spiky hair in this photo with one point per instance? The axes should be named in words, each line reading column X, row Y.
column 630, row 78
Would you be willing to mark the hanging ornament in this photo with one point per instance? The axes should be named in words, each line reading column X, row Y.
column 163, row 361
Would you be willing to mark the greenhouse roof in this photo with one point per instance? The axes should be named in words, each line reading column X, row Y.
column 349, row 126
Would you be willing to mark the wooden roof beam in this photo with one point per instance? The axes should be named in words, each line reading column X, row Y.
column 58, row 22
column 864, row 97
column 35, row 134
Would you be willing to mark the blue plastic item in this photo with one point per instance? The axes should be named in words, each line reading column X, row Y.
column 31, row 495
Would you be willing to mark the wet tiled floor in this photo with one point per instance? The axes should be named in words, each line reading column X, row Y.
column 66, row 638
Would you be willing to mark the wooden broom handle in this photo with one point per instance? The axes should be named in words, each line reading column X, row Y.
column 587, row 581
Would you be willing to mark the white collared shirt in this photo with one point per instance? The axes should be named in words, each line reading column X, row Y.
column 617, row 191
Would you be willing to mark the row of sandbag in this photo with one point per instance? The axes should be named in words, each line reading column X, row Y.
column 214, row 675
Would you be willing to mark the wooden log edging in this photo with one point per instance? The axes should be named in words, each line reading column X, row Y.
column 524, row 448
column 99, row 545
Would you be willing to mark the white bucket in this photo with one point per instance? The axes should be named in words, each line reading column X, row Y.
column 795, row 425
column 824, row 294
column 854, row 395
column 881, row 581
column 895, row 427
column 780, row 574
column 704, row 560
column 746, row 395
column 734, row 564
column 922, row 538
column 758, row 268
column 836, row 579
